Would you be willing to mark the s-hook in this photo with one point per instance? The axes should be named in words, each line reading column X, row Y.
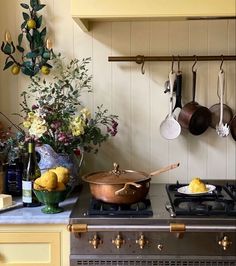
column 172, row 64
column 194, row 64
column 179, row 65
column 141, row 60
column 222, row 61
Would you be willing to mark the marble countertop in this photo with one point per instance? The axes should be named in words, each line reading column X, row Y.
column 33, row 215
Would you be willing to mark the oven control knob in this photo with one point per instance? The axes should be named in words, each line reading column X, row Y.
column 118, row 241
column 225, row 242
column 142, row 241
column 160, row 247
column 95, row 241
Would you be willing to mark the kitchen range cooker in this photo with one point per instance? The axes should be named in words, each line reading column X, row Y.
column 166, row 228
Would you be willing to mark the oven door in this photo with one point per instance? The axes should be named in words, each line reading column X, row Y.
column 156, row 248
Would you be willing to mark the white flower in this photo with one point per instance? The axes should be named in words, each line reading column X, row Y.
column 35, row 124
column 86, row 114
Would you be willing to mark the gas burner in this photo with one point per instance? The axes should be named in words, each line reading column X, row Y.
column 141, row 209
column 232, row 190
column 219, row 202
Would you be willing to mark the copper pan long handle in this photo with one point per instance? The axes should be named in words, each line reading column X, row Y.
column 165, row 169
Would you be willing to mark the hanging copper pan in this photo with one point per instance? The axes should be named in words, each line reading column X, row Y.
column 121, row 186
column 193, row 116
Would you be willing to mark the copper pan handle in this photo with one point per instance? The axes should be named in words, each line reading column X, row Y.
column 126, row 189
column 165, row 169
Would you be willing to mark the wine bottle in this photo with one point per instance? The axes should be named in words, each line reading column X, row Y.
column 31, row 172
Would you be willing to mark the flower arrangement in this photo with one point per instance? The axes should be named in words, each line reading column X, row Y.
column 57, row 116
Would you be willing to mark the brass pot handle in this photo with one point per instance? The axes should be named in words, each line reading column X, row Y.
column 165, row 169
column 126, row 189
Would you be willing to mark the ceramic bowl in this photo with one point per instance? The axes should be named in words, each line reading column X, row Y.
column 51, row 199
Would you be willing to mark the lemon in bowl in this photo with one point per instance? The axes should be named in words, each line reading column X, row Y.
column 51, row 188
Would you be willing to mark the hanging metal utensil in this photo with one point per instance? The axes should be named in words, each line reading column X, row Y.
column 222, row 129
column 170, row 128
column 178, row 100
column 216, row 108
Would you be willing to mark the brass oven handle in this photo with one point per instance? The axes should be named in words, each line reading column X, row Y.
column 142, row 241
column 126, row 189
column 225, row 242
column 118, row 241
column 95, row 241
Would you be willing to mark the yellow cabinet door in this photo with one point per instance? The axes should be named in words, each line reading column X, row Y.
column 30, row 249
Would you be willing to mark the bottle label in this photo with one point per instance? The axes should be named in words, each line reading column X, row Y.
column 27, row 191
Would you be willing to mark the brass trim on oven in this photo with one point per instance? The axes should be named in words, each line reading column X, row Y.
column 77, row 228
column 177, row 228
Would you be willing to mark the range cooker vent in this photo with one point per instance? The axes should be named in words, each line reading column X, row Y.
column 154, row 263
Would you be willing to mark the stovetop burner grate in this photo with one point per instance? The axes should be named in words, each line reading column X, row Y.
column 141, row 209
column 219, row 202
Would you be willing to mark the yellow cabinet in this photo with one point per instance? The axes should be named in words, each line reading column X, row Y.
column 31, row 245
column 84, row 11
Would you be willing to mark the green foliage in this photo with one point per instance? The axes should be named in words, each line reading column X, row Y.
column 58, row 110
column 36, row 51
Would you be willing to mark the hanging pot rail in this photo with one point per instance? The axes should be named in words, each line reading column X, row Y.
column 139, row 59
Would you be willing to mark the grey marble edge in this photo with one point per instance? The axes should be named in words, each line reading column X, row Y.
column 22, row 215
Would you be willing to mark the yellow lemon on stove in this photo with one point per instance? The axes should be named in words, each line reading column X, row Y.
column 45, row 70
column 31, row 24
column 15, row 70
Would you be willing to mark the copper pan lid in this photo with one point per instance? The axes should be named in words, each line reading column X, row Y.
column 116, row 176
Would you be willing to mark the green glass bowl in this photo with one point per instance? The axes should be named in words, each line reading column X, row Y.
column 51, row 199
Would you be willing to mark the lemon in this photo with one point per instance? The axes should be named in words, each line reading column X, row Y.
column 37, row 184
column 45, row 70
column 15, row 70
column 63, row 174
column 197, row 186
column 48, row 180
column 31, row 24
column 60, row 186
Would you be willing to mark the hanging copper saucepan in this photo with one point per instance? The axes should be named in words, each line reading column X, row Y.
column 193, row 116
column 121, row 186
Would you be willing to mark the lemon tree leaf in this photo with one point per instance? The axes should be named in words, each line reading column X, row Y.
column 20, row 37
column 39, row 22
column 8, row 64
column 34, row 3
column 7, row 49
column 43, row 32
column 20, row 49
column 25, row 16
column 29, row 37
column 31, row 55
column 23, row 25
column 24, row 6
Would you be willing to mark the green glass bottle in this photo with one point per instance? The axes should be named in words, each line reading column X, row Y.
column 31, row 172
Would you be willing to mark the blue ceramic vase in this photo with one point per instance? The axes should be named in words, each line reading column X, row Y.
column 50, row 159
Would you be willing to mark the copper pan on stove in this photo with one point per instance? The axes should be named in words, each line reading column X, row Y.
column 121, row 186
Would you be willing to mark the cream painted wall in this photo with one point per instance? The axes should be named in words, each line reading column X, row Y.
column 139, row 99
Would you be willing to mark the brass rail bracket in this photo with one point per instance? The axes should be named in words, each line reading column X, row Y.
column 178, row 229
column 77, row 228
